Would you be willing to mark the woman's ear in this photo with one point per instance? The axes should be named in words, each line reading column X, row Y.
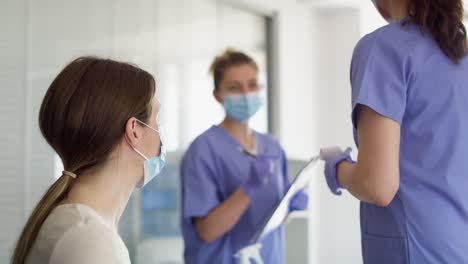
column 218, row 96
column 133, row 132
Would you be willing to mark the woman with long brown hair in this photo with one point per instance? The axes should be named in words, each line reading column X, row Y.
column 410, row 102
column 100, row 116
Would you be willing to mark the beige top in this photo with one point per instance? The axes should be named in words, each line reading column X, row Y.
column 75, row 233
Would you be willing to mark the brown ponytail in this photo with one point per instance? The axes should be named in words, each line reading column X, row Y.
column 49, row 201
column 444, row 20
column 83, row 117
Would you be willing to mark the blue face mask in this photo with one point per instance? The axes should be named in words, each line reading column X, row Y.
column 241, row 107
column 153, row 165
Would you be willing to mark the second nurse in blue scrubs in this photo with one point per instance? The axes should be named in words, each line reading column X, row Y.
column 227, row 195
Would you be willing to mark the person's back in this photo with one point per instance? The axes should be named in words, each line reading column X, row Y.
column 427, row 92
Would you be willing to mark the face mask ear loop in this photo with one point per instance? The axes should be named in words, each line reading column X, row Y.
column 136, row 150
column 143, row 123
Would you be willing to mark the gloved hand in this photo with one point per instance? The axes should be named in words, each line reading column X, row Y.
column 299, row 201
column 333, row 157
column 260, row 174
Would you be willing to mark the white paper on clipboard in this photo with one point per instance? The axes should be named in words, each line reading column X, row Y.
column 281, row 211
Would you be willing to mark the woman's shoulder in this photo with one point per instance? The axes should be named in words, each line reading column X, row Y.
column 72, row 233
column 397, row 37
column 201, row 142
column 266, row 137
column 88, row 240
column 90, row 231
column 269, row 142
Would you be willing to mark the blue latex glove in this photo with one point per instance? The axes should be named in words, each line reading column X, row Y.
column 260, row 174
column 299, row 201
column 333, row 157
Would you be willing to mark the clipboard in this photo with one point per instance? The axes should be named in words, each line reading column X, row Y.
column 281, row 210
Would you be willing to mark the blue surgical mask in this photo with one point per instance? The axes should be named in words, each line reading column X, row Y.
column 152, row 165
column 241, row 107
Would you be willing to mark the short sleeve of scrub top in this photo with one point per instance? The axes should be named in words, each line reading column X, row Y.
column 379, row 78
column 199, row 171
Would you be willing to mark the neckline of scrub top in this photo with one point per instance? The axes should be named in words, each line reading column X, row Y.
column 79, row 206
column 236, row 143
column 401, row 20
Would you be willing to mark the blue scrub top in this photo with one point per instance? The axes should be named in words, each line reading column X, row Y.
column 212, row 169
column 402, row 74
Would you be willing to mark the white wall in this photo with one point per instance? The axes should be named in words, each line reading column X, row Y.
column 12, row 154
column 315, row 53
column 337, row 218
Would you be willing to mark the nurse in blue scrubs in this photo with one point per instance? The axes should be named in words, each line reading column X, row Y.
column 228, row 194
column 410, row 103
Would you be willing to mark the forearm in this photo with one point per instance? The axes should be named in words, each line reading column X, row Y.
column 362, row 184
column 375, row 178
column 223, row 218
